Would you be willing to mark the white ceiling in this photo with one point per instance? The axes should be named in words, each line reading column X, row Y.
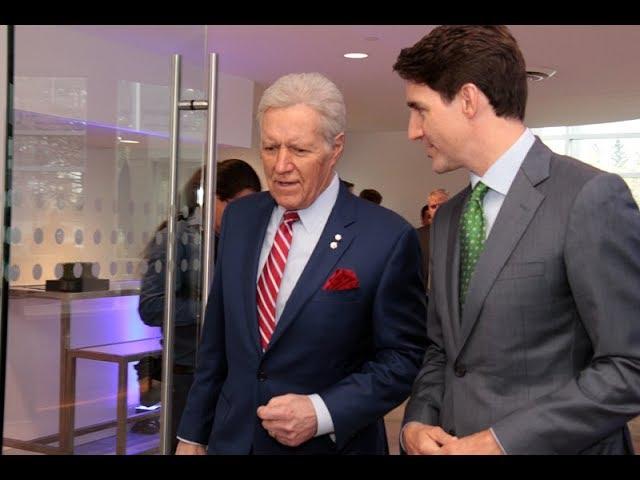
column 597, row 79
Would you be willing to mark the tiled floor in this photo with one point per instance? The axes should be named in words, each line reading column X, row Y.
column 393, row 421
column 103, row 443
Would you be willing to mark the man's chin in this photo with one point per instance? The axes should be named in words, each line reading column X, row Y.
column 288, row 202
column 439, row 167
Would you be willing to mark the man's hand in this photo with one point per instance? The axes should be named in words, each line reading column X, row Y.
column 290, row 419
column 421, row 439
column 481, row 443
column 185, row 448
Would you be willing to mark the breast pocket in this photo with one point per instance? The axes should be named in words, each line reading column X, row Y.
column 338, row 296
column 522, row 270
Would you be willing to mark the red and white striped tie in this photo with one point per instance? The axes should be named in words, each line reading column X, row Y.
column 271, row 277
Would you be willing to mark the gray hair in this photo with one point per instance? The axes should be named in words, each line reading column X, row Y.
column 440, row 193
column 311, row 89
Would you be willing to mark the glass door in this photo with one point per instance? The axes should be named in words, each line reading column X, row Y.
column 88, row 191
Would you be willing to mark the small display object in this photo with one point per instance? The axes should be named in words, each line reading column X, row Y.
column 75, row 281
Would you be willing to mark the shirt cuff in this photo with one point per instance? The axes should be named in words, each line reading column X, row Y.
column 495, row 437
column 401, row 442
column 325, row 423
column 402, row 434
column 190, row 442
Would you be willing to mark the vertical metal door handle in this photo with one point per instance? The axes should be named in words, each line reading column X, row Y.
column 168, row 322
column 208, row 244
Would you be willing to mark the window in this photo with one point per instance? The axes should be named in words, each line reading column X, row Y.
column 613, row 147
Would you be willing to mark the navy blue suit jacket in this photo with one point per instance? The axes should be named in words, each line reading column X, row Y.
column 359, row 349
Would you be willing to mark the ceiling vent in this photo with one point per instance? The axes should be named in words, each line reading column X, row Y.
column 537, row 74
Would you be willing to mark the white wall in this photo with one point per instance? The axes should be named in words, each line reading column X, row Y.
column 250, row 154
column 398, row 168
column 234, row 120
column 386, row 161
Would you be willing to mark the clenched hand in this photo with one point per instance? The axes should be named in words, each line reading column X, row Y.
column 290, row 419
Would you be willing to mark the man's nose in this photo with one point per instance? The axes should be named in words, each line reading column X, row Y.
column 414, row 131
column 283, row 160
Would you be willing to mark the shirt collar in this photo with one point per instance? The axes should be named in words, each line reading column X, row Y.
column 315, row 215
column 500, row 175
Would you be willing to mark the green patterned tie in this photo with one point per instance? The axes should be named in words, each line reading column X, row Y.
column 471, row 237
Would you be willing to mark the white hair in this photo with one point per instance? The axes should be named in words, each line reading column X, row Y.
column 311, row 89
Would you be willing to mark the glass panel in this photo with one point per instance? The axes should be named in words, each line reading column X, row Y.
column 558, row 146
column 617, row 155
column 89, row 195
column 549, row 131
column 616, row 128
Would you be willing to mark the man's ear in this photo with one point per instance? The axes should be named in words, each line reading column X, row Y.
column 338, row 147
column 470, row 99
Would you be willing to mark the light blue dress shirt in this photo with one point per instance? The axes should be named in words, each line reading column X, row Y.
column 306, row 234
column 500, row 176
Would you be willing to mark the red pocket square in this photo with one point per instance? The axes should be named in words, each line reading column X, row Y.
column 342, row 279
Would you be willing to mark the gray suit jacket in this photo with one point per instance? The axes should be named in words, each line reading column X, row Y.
column 547, row 352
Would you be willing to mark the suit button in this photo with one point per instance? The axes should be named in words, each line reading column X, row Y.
column 262, row 376
column 460, row 370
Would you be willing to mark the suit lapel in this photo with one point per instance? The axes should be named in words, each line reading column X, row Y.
column 453, row 261
column 322, row 261
column 517, row 211
column 255, row 237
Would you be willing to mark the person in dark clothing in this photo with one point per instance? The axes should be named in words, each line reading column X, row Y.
column 371, row 195
column 235, row 179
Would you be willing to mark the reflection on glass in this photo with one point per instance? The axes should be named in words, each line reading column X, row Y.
column 89, row 185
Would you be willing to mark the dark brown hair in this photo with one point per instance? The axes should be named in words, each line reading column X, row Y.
column 485, row 55
column 233, row 176
column 371, row 195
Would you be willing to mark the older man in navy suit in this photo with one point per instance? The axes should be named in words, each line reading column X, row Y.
column 315, row 326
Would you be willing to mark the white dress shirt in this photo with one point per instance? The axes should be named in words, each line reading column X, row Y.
column 306, row 234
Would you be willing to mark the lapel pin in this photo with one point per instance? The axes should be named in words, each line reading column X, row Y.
column 333, row 245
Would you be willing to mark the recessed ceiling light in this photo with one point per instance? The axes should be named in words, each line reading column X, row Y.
column 356, row 55
column 537, row 74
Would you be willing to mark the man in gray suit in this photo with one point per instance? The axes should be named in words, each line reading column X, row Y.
column 533, row 316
